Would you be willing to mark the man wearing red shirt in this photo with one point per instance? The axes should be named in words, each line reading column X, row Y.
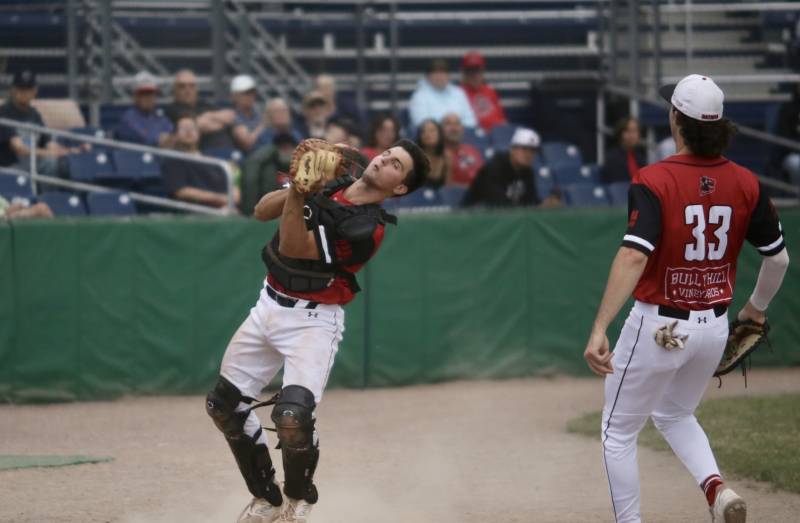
column 689, row 216
column 482, row 97
column 297, row 324
column 465, row 160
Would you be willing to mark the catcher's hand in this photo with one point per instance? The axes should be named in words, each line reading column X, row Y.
column 744, row 337
column 314, row 163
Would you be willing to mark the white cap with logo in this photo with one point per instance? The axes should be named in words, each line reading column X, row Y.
column 696, row 96
column 242, row 83
column 525, row 138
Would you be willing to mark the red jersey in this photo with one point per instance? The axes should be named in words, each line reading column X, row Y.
column 465, row 160
column 691, row 215
column 339, row 291
column 486, row 105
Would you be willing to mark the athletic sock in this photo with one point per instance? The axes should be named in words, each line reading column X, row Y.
column 710, row 486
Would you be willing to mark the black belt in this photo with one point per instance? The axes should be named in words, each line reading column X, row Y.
column 681, row 314
column 285, row 301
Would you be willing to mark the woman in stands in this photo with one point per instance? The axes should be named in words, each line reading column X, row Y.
column 628, row 156
column 383, row 132
column 431, row 139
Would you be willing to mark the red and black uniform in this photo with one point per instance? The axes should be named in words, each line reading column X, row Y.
column 347, row 236
column 691, row 215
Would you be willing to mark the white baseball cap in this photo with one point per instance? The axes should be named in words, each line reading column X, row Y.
column 525, row 138
column 696, row 96
column 242, row 83
column 144, row 82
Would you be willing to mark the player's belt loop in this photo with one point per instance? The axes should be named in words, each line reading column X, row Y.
column 285, row 301
column 681, row 314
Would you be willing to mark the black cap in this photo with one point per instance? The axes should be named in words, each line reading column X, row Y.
column 283, row 138
column 24, row 79
column 665, row 91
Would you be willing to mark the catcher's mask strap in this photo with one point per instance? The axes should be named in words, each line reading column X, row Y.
column 272, row 401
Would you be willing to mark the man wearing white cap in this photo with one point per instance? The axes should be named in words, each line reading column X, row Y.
column 687, row 220
column 507, row 179
column 145, row 123
column 250, row 122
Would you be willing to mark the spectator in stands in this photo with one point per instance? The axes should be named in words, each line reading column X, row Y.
column 315, row 113
column 279, row 120
column 249, row 122
column 16, row 146
column 465, row 160
column 192, row 181
column 16, row 210
column 339, row 105
column 262, row 171
column 144, row 123
column 215, row 125
column 507, row 179
column 436, row 96
column 430, row 138
column 625, row 159
column 785, row 159
column 482, row 97
column 383, row 132
column 342, row 130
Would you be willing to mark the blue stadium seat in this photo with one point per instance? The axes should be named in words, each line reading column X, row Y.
column 224, row 153
column 12, row 185
column 136, row 165
column 452, row 196
column 110, row 204
column 91, row 166
column 566, row 173
column 478, row 139
column 95, row 132
column 560, row 153
column 585, row 195
column 544, row 181
column 501, row 136
column 618, row 193
column 63, row 204
column 591, row 173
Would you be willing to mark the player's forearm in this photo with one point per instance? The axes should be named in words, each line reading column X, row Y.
column 770, row 277
column 270, row 206
column 626, row 270
column 296, row 241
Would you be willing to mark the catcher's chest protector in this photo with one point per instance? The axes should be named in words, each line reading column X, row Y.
column 332, row 224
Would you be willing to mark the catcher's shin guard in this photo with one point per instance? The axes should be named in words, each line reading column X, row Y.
column 293, row 415
column 252, row 457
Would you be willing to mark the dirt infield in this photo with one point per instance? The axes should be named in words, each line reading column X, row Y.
column 458, row 452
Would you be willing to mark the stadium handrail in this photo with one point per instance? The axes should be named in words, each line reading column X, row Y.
column 36, row 130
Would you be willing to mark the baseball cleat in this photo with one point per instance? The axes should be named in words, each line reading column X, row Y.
column 259, row 511
column 295, row 510
column 729, row 507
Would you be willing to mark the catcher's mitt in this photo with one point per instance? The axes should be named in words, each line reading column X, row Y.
column 744, row 337
column 316, row 162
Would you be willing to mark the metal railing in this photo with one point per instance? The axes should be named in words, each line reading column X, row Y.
column 34, row 176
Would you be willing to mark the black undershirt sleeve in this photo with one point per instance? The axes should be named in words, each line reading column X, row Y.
column 644, row 219
column 764, row 231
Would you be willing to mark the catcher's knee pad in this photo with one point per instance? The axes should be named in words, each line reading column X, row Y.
column 251, row 457
column 293, row 416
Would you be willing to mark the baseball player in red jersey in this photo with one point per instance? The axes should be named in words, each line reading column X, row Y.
column 688, row 218
column 297, row 324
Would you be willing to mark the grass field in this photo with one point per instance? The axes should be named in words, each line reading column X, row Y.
column 752, row 437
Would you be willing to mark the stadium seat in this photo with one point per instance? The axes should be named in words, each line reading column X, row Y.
column 501, row 135
column 136, row 165
column 544, row 181
column 566, row 173
column 63, row 204
column 452, row 196
column 12, row 185
column 478, row 139
column 422, row 197
column 560, row 153
column 224, row 153
column 91, row 166
column 591, row 173
column 618, row 193
column 585, row 195
column 95, row 132
column 110, row 204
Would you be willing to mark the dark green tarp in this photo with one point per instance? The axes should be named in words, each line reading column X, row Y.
column 94, row 308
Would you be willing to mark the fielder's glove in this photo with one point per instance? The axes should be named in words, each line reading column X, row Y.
column 316, row 162
column 744, row 337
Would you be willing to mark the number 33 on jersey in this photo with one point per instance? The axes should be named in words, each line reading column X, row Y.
column 707, row 209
